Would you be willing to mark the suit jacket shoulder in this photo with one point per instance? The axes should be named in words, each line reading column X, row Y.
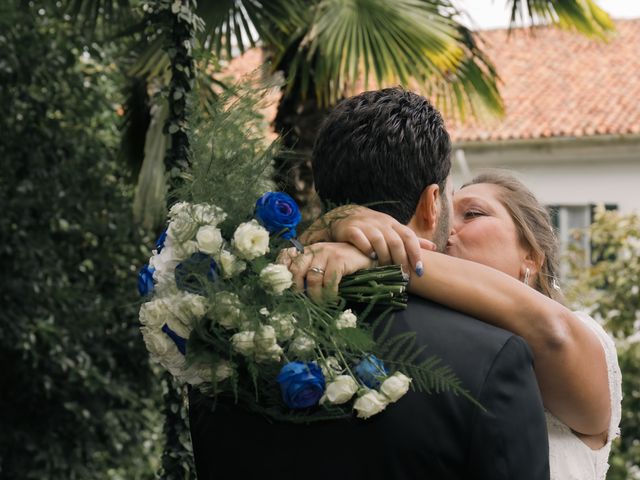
column 508, row 439
column 464, row 343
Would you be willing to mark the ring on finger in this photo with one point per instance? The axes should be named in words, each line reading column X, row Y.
column 317, row 270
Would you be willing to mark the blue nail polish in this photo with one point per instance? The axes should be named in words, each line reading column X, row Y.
column 419, row 269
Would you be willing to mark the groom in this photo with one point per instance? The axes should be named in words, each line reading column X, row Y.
column 391, row 146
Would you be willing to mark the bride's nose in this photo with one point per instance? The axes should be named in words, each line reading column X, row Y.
column 456, row 225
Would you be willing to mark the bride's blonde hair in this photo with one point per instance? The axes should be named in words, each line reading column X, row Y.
column 533, row 225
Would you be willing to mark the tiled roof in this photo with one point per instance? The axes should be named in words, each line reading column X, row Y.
column 554, row 83
column 561, row 84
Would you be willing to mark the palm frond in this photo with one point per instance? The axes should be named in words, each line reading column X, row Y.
column 396, row 42
column 151, row 62
column 100, row 17
column 471, row 90
column 431, row 377
column 583, row 16
column 240, row 24
column 150, row 196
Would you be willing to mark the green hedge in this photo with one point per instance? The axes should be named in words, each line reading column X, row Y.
column 78, row 397
column 610, row 289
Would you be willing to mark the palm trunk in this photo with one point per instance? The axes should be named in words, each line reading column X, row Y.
column 177, row 457
column 297, row 121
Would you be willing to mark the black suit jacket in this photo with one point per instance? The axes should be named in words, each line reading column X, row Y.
column 422, row 436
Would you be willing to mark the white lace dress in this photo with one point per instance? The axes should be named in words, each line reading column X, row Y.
column 569, row 457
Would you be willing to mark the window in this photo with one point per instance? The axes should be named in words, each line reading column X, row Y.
column 571, row 223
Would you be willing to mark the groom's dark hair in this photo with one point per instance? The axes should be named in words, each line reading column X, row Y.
column 381, row 146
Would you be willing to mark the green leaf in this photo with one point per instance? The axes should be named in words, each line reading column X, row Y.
column 583, row 16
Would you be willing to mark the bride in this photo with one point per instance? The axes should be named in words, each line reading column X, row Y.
column 500, row 267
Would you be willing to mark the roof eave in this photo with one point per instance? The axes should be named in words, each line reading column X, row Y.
column 531, row 142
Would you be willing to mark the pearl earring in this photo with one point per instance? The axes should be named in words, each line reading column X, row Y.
column 527, row 272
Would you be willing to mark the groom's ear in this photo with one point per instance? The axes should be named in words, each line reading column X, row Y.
column 428, row 206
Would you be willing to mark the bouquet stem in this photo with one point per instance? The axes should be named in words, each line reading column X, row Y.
column 383, row 286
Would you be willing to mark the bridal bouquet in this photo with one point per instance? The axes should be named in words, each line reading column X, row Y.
column 220, row 314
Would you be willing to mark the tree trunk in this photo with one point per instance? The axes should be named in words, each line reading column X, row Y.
column 297, row 121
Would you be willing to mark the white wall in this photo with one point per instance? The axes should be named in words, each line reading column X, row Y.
column 565, row 172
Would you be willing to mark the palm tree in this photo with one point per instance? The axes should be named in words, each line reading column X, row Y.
column 324, row 47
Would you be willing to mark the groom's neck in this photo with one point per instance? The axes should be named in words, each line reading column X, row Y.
column 421, row 229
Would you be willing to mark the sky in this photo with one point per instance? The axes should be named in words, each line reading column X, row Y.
column 493, row 13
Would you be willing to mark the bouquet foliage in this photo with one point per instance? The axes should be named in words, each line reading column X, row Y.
column 220, row 313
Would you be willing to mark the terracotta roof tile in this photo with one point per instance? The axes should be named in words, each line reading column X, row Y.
column 554, row 84
column 561, row 84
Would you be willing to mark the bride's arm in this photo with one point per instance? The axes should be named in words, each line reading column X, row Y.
column 569, row 359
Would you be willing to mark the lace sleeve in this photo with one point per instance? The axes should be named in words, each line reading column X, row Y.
column 613, row 371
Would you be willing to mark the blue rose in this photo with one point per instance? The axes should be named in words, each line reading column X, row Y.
column 189, row 273
column 180, row 342
column 145, row 280
column 160, row 241
column 370, row 371
column 278, row 213
column 302, row 384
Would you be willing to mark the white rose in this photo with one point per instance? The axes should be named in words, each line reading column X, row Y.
column 330, row 367
column 183, row 309
column 183, row 251
column 197, row 375
column 175, row 362
column 301, row 345
column 178, row 327
column 179, row 208
column 227, row 310
column 340, row 390
column 243, row 343
column 156, row 342
column 347, row 319
column 267, row 348
column 153, row 314
column 206, row 214
column 395, row 386
column 284, row 325
column 209, row 239
column 164, row 264
column 265, row 338
column 272, row 354
column 230, row 264
column 182, row 228
column 166, row 257
column 186, row 306
column 370, row 403
column 251, row 240
column 276, row 278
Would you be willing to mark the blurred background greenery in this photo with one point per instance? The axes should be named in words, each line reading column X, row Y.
column 94, row 142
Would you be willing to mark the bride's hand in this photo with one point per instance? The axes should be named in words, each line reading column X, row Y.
column 377, row 235
column 322, row 266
